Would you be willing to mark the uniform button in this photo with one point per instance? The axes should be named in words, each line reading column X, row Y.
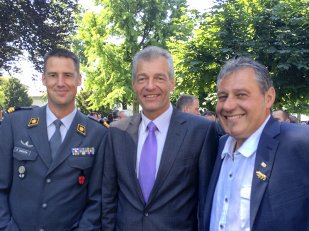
column 146, row 214
column 41, row 229
column 44, row 205
column 48, row 181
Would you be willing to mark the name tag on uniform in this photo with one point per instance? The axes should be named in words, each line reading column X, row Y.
column 22, row 151
column 88, row 151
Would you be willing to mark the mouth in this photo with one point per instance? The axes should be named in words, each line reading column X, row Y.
column 151, row 96
column 233, row 117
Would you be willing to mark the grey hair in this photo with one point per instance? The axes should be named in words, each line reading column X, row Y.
column 150, row 53
column 185, row 100
column 261, row 72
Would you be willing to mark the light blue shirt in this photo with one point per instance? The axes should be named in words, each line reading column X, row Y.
column 162, row 123
column 66, row 123
column 231, row 202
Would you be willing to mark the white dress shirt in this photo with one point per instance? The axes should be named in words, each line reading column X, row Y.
column 162, row 123
column 231, row 202
column 66, row 123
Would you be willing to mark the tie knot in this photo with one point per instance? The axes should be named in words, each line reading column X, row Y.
column 57, row 123
column 151, row 127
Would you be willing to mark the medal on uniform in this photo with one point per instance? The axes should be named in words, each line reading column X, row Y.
column 81, row 179
column 21, row 171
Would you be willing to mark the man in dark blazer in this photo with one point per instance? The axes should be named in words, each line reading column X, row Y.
column 41, row 191
column 186, row 148
column 260, row 181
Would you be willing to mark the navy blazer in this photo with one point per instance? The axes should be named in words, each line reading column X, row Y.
column 182, row 179
column 281, row 201
column 38, row 193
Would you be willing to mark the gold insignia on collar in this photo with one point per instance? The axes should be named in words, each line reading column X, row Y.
column 263, row 164
column 261, row 175
column 33, row 122
column 11, row 109
column 81, row 129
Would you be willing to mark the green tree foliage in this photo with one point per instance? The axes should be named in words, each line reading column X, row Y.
column 108, row 40
column 34, row 26
column 15, row 94
column 273, row 32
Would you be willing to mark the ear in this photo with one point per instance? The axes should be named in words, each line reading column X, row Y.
column 44, row 79
column 270, row 97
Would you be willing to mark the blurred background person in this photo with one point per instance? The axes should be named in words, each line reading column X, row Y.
column 189, row 104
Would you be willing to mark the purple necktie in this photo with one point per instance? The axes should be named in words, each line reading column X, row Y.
column 147, row 164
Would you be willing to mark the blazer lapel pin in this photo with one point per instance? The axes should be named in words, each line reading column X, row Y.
column 263, row 164
column 261, row 175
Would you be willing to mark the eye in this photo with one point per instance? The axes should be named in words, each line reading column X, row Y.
column 222, row 97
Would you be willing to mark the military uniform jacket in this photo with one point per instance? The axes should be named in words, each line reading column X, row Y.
column 38, row 193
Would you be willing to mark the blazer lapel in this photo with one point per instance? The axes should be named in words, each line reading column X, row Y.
column 73, row 138
column 132, row 131
column 174, row 138
column 38, row 135
column 265, row 156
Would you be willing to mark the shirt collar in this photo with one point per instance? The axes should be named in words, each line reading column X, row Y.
column 161, row 121
column 248, row 148
column 66, row 121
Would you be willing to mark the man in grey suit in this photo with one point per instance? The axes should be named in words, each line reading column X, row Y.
column 49, row 175
column 157, row 164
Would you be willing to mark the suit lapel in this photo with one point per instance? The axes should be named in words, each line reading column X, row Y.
column 265, row 156
column 174, row 139
column 72, row 139
column 132, row 131
column 38, row 135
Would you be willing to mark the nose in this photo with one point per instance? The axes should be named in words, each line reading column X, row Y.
column 229, row 104
column 60, row 80
column 150, row 85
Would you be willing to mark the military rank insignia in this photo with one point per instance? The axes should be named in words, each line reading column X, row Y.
column 81, row 129
column 33, row 122
column 21, row 171
column 83, row 151
column 261, row 175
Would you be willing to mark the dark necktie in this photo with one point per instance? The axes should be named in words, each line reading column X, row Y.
column 55, row 140
column 147, row 165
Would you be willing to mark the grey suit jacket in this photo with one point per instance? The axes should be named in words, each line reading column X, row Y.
column 181, row 181
column 281, row 200
column 50, row 195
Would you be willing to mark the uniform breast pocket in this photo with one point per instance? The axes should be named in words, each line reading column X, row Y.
column 81, row 162
column 22, row 154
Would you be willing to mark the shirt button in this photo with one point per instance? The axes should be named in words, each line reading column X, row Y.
column 48, row 181
column 44, row 205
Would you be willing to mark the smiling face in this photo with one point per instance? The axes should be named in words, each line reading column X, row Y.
column 242, row 107
column 152, row 86
column 61, row 80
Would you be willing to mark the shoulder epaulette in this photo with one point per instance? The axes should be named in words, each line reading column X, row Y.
column 102, row 122
column 12, row 109
column 105, row 124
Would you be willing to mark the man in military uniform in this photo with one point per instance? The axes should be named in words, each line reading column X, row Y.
column 51, row 158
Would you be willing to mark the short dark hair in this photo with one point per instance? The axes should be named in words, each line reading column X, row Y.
column 185, row 100
column 61, row 52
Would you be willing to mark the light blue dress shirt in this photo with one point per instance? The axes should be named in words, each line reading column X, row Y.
column 231, row 202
